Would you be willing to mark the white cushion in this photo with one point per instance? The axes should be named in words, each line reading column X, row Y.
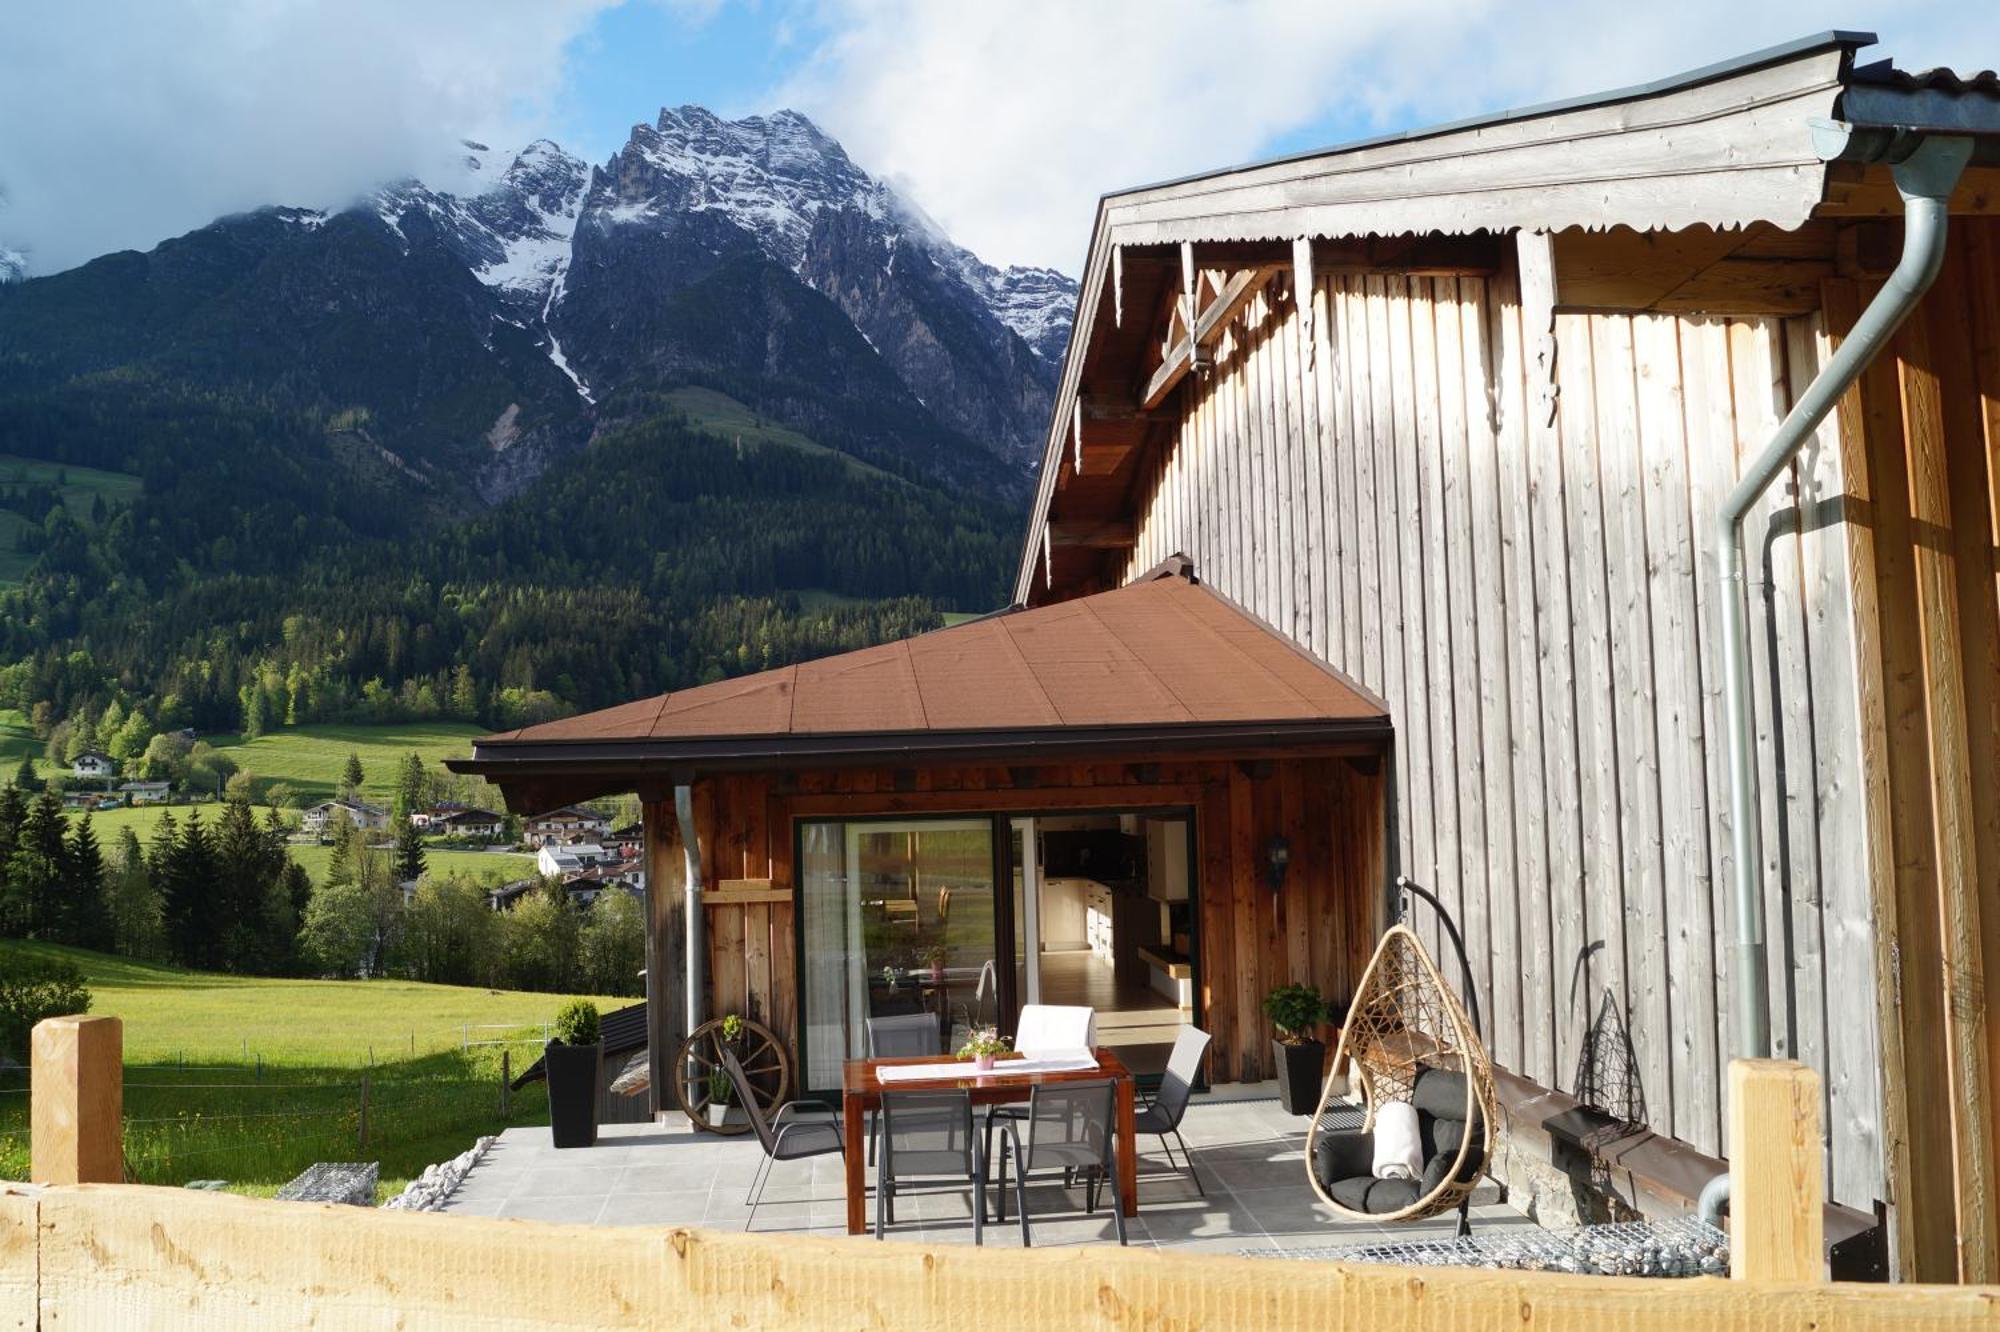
column 1055, row 1027
column 1399, row 1149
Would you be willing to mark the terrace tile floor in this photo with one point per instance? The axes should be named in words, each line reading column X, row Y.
column 1249, row 1153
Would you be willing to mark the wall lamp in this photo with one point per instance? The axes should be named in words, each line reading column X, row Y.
column 1277, row 860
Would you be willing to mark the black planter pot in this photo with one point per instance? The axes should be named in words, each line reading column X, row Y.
column 1299, row 1068
column 572, row 1075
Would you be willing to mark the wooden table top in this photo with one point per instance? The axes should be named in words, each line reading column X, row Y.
column 858, row 1077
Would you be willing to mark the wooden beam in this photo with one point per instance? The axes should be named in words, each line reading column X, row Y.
column 1093, row 535
column 1757, row 271
column 1478, row 255
column 1208, row 326
column 1777, row 1198
column 77, row 1113
column 133, row 1256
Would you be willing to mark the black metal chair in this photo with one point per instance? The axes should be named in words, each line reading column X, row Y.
column 1070, row 1133
column 1169, row 1104
column 927, row 1138
column 795, row 1133
column 903, row 1036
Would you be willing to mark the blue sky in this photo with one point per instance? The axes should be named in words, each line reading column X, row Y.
column 123, row 122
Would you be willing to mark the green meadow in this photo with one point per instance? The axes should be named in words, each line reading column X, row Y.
column 78, row 485
column 252, row 1079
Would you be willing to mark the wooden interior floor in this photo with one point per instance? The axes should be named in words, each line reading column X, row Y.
column 1133, row 1020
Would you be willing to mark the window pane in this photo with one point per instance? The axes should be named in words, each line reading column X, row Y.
column 898, row 920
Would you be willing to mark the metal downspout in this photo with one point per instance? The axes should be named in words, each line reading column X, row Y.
column 1925, row 179
column 697, row 932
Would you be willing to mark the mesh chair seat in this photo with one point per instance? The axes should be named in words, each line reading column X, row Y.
column 928, row 1136
column 789, row 1136
column 1069, row 1129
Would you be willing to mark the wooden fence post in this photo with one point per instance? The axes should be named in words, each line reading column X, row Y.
column 78, row 1101
column 1777, row 1171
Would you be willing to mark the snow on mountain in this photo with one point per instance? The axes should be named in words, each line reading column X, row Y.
column 13, row 265
column 774, row 175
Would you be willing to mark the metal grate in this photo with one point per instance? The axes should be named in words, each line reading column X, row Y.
column 1681, row 1247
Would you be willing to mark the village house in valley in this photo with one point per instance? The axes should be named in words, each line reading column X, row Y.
column 563, row 825
column 320, row 819
column 93, row 765
column 1377, row 539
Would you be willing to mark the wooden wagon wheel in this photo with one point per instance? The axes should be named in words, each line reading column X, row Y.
column 764, row 1061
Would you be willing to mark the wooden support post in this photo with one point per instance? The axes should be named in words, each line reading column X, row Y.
column 78, row 1096
column 1777, row 1170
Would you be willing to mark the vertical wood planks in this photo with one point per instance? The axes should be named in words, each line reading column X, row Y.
column 1621, row 431
column 1692, row 1009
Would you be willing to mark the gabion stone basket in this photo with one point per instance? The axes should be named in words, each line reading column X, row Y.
column 1403, row 1020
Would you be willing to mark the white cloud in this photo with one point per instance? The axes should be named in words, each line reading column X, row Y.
column 1007, row 121
column 124, row 123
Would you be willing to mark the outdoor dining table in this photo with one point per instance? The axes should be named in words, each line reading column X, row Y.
column 861, row 1092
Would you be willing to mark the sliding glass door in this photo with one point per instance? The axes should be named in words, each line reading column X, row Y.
column 896, row 918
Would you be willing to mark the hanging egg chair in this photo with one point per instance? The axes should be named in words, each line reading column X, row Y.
column 1407, row 1039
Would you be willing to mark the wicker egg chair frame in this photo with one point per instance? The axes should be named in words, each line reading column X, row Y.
column 1405, row 1019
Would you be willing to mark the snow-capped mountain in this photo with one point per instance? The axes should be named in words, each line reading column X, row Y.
column 13, row 265
column 471, row 332
column 945, row 323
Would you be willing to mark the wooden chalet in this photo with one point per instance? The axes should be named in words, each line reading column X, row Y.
column 1376, row 535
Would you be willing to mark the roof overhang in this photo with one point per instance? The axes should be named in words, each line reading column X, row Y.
column 1725, row 146
column 1161, row 668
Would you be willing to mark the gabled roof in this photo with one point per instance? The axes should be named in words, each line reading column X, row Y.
column 1728, row 145
column 1161, row 661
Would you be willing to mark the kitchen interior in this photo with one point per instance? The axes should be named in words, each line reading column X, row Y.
column 1116, row 923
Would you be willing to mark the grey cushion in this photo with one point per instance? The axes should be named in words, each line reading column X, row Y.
column 1365, row 1193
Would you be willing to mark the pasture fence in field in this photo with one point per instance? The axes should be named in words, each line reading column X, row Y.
column 250, row 1118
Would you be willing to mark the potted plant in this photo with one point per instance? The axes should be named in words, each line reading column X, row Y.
column 572, row 1059
column 732, row 1029
column 935, row 957
column 982, row 1047
column 719, row 1092
column 1300, row 1056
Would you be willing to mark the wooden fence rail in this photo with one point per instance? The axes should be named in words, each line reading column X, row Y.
column 109, row 1255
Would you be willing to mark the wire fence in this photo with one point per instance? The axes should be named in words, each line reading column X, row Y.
column 260, row 1124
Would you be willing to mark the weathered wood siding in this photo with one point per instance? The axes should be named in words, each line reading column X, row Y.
column 1919, row 440
column 1318, row 930
column 1501, row 520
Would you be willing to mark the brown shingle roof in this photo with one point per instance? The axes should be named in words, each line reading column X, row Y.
column 1161, row 656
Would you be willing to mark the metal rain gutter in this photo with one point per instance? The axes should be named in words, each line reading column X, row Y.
column 697, row 932
column 1926, row 168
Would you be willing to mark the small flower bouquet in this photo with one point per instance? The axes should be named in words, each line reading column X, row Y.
column 982, row 1047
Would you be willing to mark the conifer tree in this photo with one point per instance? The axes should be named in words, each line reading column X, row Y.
column 351, row 777
column 132, row 900
column 188, row 900
column 408, row 861
column 35, row 870
column 83, row 916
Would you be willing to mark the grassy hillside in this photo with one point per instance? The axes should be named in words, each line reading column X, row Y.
column 78, row 486
column 250, row 1079
column 309, row 759
column 723, row 416
column 17, row 741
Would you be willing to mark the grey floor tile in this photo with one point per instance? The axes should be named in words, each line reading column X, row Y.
column 655, row 1209
column 571, row 1209
column 471, row 1207
column 553, row 1182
